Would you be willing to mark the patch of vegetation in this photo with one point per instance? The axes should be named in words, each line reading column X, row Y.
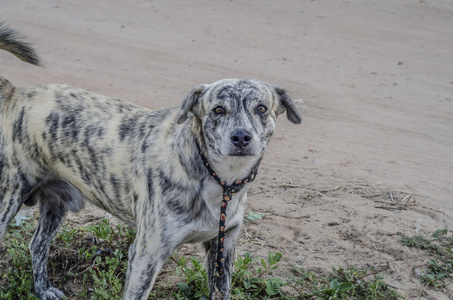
column 251, row 217
column 249, row 279
column 17, row 280
column 350, row 283
column 195, row 285
column 439, row 270
column 93, row 259
column 90, row 263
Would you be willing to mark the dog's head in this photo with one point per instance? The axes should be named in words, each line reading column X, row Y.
column 237, row 117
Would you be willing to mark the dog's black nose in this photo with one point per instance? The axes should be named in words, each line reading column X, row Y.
column 241, row 138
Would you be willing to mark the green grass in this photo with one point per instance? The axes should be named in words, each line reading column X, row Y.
column 93, row 259
column 438, row 272
column 90, row 262
column 249, row 280
column 350, row 283
column 17, row 280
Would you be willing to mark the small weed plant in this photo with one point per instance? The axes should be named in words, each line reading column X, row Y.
column 439, row 247
column 249, row 280
column 252, row 217
column 253, row 281
column 195, row 285
column 350, row 283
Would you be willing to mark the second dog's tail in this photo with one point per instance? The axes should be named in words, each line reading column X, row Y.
column 12, row 41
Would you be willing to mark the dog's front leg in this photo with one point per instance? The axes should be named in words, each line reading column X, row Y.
column 223, row 281
column 147, row 256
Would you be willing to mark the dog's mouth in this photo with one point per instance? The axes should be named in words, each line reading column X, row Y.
column 237, row 151
column 241, row 151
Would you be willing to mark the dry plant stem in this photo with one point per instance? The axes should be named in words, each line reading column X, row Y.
column 408, row 197
column 64, row 249
column 265, row 271
column 247, row 234
column 278, row 215
column 72, row 268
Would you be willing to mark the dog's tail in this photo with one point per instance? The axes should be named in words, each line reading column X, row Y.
column 12, row 41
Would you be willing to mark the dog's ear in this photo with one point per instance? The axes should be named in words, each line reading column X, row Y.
column 285, row 103
column 191, row 104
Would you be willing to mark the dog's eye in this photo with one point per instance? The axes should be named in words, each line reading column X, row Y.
column 261, row 109
column 219, row 110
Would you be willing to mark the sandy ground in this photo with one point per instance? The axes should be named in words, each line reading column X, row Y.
column 372, row 79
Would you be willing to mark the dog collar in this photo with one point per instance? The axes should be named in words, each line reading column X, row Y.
column 228, row 192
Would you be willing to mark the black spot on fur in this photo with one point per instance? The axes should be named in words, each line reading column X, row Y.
column 146, row 142
column 26, row 183
column 149, row 178
column 188, row 207
column 6, row 213
column 101, row 132
column 116, row 184
column 52, row 123
column 31, row 94
column 135, row 196
column 18, row 127
column 127, row 128
column 86, row 176
column 70, row 126
column 225, row 93
column 148, row 274
column 166, row 184
column 2, row 165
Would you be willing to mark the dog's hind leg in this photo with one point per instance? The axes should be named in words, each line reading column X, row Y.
column 10, row 204
column 14, row 188
column 51, row 218
column 56, row 199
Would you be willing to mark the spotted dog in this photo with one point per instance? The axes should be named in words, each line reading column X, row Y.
column 61, row 146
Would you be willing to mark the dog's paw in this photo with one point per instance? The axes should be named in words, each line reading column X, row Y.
column 220, row 296
column 51, row 294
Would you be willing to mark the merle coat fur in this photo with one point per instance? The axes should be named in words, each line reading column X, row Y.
column 61, row 146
